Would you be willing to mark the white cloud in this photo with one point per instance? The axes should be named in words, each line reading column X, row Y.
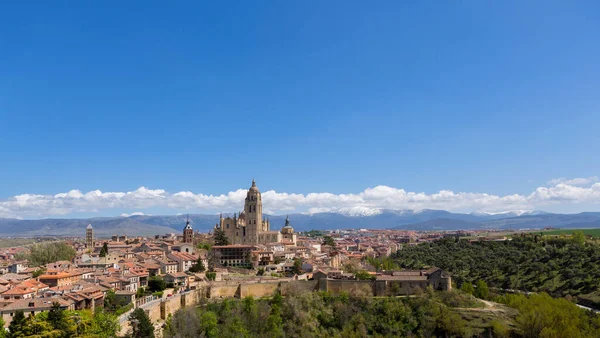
column 578, row 191
column 575, row 181
column 137, row 213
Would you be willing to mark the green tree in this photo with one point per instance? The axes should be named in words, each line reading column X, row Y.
column 104, row 324
column 204, row 246
column 110, row 300
column 156, row 283
column 211, row 275
column 297, row 268
column 543, row 316
column 220, row 238
column 37, row 326
column 16, row 326
column 198, row 266
column 38, row 272
column 140, row 292
column 578, row 237
column 3, row 332
column 500, row 329
column 44, row 253
column 364, row 275
column 104, row 250
column 467, row 287
column 275, row 322
column 328, row 240
column 141, row 325
column 209, row 324
column 56, row 317
column 482, row 291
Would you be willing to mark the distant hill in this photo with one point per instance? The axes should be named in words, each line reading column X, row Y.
column 382, row 219
column 103, row 227
column 441, row 224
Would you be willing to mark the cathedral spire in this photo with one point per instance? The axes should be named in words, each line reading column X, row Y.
column 187, row 223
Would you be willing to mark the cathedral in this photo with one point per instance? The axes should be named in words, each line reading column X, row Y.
column 249, row 227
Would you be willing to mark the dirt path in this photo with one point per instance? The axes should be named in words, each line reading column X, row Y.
column 489, row 307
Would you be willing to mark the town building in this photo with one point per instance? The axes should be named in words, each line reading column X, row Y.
column 233, row 255
column 33, row 307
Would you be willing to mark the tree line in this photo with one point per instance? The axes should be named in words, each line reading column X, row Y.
column 44, row 253
column 63, row 323
column 561, row 267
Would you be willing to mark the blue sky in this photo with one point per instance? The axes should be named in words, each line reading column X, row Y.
column 337, row 96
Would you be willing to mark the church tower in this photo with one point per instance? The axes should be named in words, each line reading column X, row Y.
column 89, row 237
column 188, row 232
column 253, row 210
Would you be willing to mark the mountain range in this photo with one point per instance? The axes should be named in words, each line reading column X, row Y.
column 382, row 219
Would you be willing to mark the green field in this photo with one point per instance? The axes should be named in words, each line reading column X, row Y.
column 588, row 232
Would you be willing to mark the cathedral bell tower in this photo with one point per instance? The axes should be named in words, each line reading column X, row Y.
column 253, row 209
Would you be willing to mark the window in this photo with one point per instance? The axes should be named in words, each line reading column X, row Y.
column 227, row 225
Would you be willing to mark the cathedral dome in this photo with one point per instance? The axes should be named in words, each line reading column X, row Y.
column 287, row 228
column 254, row 187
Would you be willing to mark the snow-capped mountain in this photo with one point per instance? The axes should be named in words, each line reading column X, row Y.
column 511, row 213
column 358, row 211
column 339, row 219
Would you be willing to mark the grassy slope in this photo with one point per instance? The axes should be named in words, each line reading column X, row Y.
column 588, row 232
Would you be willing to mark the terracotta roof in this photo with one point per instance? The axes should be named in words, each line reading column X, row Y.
column 35, row 304
column 14, row 276
column 184, row 256
column 56, row 276
column 177, row 274
column 110, row 280
column 18, row 291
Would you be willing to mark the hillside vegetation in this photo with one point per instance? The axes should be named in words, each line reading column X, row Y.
column 562, row 267
column 427, row 314
column 324, row 315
